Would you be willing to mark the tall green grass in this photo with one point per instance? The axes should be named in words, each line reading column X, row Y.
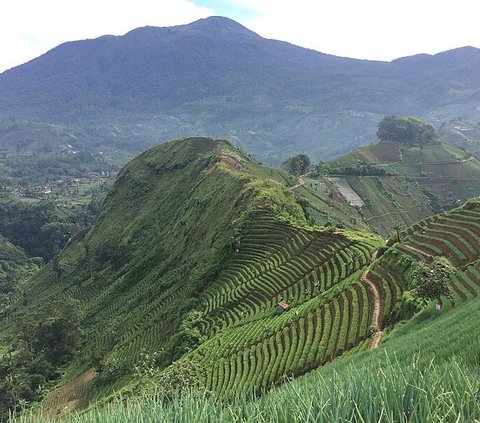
column 447, row 392
column 427, row 371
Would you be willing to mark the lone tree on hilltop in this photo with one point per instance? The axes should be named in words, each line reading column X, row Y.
column 297, row 165
column 431, row 280
column 406, row 130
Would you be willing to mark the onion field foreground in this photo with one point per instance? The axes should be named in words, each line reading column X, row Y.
column 427, row 370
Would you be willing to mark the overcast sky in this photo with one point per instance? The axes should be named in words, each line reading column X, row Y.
column 365, row 29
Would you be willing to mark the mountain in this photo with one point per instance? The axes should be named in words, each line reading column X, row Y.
column 217, row 78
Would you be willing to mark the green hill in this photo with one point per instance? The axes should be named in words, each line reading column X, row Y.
column 195, row 246
column 400, row 183
column 427, row 369
column 179, row 282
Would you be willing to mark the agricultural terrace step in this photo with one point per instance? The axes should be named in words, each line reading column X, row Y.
column 298, row 347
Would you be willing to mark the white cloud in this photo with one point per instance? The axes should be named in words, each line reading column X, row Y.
column 29, row 28
column 374, row 29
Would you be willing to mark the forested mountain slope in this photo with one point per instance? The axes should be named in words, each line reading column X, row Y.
column 215, row 77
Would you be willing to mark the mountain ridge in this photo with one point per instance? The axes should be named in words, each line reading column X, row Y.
column 216, row 78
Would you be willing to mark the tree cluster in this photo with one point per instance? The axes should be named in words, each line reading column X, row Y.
column 43, row 229
column 44, row 341
column 406, row 130
column 431, row 280
column 297, row 165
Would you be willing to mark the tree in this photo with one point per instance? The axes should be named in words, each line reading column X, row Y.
column 297, row 165
column 53, row 331
column 45, row 339
column 431, row 280
column 406, row 130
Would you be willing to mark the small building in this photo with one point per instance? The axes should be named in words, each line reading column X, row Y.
column 281, row 307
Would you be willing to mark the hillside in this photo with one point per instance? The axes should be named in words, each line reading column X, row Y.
column 15, row 268
column 462, row 134
column 392, row 183
column 195, row 246
column 426, row 368
column 215, row 77
column 415, row 373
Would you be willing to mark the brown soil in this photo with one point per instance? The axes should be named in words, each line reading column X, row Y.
column 230, row 161
column 70, row 397
column 377, row 310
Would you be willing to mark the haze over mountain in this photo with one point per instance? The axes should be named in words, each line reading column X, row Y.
column 215, row 77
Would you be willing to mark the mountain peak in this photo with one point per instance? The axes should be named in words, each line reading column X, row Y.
column 213, row 25
column 218, row 25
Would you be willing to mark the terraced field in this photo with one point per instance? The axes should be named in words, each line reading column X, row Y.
column 406, row 182
column 330, row 311
column 331, row 283
column 454, row 235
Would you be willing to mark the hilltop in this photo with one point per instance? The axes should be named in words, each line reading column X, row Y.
column 194, row 247
column 215, row 77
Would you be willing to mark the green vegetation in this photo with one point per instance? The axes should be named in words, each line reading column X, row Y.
column 198, row 266
column 176, row 286
column 274, row 108
column 401, row 181
column 406, row 130
column 42, row 229
column 52, row 184
column 418, row 374
column 44, row 339
column 431, row 281
column 15, row 268
column 297, row 165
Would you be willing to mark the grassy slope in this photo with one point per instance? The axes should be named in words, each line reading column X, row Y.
column 159, row 273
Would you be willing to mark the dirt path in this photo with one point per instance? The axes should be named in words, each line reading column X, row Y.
column 301, row 181
column 377, row 317
column 377, row 308
column 416, row 249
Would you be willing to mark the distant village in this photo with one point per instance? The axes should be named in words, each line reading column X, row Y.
column 49, row 189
